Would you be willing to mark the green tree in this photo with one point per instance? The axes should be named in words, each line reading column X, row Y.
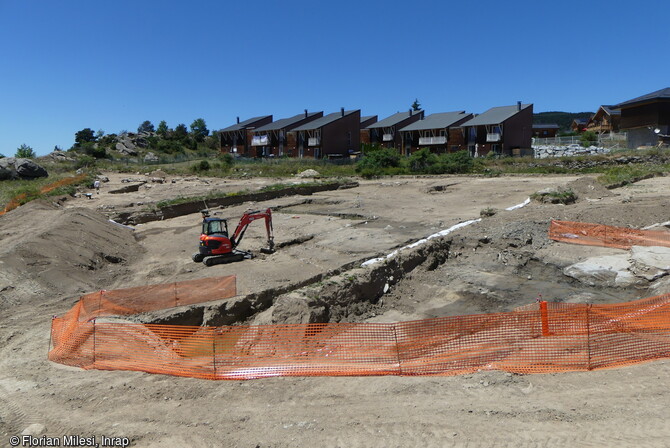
column 416, row 106
column 146, row 126
column 162, row 129
column 2, row 156
column 99, row 134
column 213, row 142
column 95, row 150
column 83, row 136
column 25, row 152
column 199, row 129
column 180, row 132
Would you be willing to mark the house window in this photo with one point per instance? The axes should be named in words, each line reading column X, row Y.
column 473, row 134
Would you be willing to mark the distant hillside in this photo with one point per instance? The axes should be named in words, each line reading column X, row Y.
column 562, row 119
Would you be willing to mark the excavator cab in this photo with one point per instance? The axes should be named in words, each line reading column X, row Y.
column 215, row 226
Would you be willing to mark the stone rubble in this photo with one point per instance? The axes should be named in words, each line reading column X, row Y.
column 545, row 151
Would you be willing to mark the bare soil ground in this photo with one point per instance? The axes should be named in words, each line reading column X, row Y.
column 50, row 254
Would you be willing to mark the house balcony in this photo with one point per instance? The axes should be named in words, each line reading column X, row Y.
column 387, row 137
column 433, row 140
column 260, row 140
column 314, row 141
column 493, row 137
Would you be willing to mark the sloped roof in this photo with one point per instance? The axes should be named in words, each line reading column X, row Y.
column 581, row 120
column 546, row 126
column 285, row 122
column 367, row 117
column 394, row 119
column 320, row 122
column 495, row 115
column 610, row 110
column 244, row 124
column 663, row 94
column 436, row 121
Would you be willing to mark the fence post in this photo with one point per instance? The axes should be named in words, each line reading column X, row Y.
column 544, row 315
column 94, row 319
column 397, row 349
column 51, row 331
column 215, row 332
column 588, row 336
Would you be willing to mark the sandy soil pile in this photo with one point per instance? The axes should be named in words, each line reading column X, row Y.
column 48, row 250
column 48, row 255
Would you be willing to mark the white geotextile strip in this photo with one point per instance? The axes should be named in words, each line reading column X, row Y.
column 435, row 235
column 523, row 204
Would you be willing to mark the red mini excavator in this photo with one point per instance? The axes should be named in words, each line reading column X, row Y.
column 216, row 247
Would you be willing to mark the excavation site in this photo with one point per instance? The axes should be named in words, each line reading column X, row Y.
column 337, row 299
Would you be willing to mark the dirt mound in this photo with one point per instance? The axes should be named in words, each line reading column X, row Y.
column 46, row 248
column 586, row 188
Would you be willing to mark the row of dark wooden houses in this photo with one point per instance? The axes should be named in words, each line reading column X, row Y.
column 505, row 130
column 645, row 119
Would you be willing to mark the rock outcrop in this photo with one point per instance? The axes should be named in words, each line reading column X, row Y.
column 17, row 168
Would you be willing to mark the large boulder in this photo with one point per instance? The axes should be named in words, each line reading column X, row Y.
column 151, row 157
column 608, row 270
column 294, row 308
column 308, row 173
column 129, row 150
column 650, row 262
column 128, row 143
column 18, row 168
column 7, row 170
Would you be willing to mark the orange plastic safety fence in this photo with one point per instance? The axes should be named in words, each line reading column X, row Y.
column 539, row 338
column 607, row 236
column 17, row 200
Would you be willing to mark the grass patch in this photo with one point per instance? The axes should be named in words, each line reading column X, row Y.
column 210, row 195
column 217, row 195
column 558, row 196
column 626, row 174
column 20, row 192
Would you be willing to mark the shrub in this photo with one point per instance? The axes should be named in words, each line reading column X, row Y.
column 422, row 161
column 94, row 150
column 453, row 163
column 378, row 161
column 85, row 162
column 588, row 138
column 202, row 166
column 170, row 147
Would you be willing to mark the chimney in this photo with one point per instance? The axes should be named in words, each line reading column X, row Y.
column 342, row 111
column 518, row 106
column 238, row 120
column 305, row 113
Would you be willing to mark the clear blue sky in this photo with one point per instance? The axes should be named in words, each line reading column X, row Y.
column 110, row 65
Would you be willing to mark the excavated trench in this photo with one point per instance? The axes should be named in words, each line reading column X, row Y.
column 475, row 272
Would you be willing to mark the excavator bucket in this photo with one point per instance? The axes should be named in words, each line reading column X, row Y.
column 270, row 249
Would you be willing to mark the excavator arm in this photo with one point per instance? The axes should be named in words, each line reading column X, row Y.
column 247, row 219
